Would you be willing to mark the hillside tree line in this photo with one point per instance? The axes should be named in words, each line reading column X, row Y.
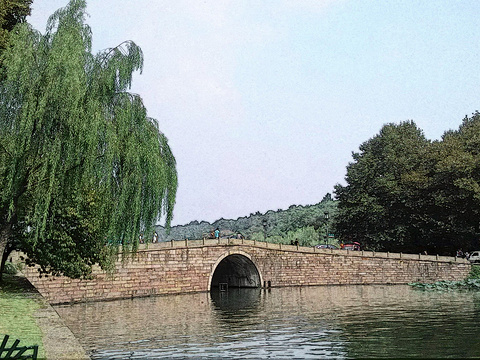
column 307, row 224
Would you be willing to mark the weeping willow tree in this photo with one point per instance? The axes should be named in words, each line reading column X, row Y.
column 82, row 167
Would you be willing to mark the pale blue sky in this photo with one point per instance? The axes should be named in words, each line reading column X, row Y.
column 263, row 102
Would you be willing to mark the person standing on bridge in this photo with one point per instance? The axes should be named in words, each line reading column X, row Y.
column 217, row 233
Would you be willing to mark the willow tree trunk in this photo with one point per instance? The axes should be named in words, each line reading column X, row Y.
column 5, row 245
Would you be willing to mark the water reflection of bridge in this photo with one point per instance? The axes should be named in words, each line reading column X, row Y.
column 201, row 265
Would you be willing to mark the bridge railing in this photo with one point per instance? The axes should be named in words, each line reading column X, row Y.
column 304, row 249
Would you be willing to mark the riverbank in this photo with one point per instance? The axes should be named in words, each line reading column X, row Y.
column 26, row 315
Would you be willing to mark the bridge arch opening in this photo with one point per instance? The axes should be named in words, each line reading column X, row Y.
column 236, row 271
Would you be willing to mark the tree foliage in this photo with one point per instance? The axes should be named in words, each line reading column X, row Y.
column 12, row 12
column 406, row 193
column 454, row 187
column 81, row 163
column 305, row 223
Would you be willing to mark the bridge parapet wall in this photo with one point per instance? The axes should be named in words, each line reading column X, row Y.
column 187, row 266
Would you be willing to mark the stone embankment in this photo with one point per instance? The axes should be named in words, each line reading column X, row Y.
column 57, row 341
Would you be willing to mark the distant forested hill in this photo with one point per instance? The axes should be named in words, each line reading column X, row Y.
column 305, row 223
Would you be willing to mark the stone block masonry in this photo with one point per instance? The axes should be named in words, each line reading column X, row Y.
column 184, row 267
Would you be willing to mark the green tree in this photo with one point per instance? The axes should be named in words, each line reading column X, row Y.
column 81, row 163
column 306, row 236
column 378, row 205
column 454, row 189
column 12, row 12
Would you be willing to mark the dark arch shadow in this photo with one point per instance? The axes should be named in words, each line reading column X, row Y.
column 235, row 271
column 238, row 308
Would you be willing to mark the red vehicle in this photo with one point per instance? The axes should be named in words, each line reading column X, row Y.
column 355, row 246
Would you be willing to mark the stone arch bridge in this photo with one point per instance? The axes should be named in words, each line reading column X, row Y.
column 201, row 265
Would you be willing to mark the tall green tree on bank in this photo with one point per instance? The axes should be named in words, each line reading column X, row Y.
column 454, row 188
column 81, row 164
column 405, row 193
column 385, row 184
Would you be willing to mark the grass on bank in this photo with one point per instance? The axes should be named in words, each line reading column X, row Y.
column 18, row 305
column 472, row 282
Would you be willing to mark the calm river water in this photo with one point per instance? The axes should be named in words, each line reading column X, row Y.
column 314, row 322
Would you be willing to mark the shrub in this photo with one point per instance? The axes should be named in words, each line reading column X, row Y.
column 10, row 268
column 474, row 272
